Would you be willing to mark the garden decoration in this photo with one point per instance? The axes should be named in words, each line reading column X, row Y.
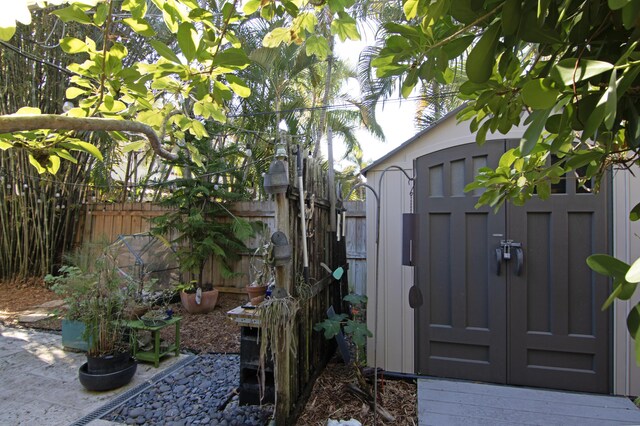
column 277, row 320
column 303, row 222
column 151, row 263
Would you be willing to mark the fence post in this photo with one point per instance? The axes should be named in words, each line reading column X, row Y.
column 283, row 279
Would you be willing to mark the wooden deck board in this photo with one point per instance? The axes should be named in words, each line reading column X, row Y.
column 448, row 402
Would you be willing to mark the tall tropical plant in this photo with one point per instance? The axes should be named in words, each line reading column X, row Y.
column 200, row 223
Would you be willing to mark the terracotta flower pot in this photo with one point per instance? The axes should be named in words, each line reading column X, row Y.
column 254, row 292
column 207, row 303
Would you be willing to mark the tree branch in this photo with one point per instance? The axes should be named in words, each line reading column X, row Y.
column 17, row 123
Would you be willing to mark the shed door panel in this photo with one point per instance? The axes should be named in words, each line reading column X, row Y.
column 558, row 335
column 462, row 323
column 541, row 328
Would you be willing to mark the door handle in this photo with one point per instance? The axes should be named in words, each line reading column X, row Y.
column 519, row 260
column 509, row 249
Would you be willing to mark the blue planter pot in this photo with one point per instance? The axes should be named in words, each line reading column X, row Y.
column 72, row 332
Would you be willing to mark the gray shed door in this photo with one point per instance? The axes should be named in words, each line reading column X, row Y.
column 537, row 324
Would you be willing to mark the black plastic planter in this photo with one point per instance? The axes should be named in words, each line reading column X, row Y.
column 107, row 381
column 108, row 363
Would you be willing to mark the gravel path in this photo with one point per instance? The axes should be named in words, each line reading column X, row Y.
column 197, row 394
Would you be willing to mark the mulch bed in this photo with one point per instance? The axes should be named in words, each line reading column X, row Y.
column 214, row 332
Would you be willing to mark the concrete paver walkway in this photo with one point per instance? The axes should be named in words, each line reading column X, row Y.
column 40, row 381
column 449, row 402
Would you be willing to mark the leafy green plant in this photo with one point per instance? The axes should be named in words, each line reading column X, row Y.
column 200, row 223
column 625, row 279
column 97, row 295
column 354, row 327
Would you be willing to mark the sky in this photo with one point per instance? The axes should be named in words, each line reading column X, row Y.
column 394, row 115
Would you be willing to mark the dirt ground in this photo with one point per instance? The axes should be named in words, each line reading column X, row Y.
column 214, row 332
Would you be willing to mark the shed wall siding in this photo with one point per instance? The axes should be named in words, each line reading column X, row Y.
column 626, row 246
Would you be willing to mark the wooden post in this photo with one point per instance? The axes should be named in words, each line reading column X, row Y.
column 283, row 280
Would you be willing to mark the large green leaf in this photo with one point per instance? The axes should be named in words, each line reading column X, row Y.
column 481, row 59
column 345, row 27
column 164, row 51
column 633, row 322
column 456, row 47
column 187, row 40
column 634, row 214
column 539, row 93
column 511, row 16
column 233, row 57
column 35, row 163
column 138, row 8
column 276, row 37
column 134, row 146
column 73, row 13
column 317, row 45
column 533, row 131
column 7, row 32
column 251, row 6
column 238, row 85
column 617, row 4
column 571, row 70
column 82, row 146
column 140, row 26
column 630, row 14
column 410, row 8
column 607, row 265
column 73, row 45
column 611, row 101
column 74, row 92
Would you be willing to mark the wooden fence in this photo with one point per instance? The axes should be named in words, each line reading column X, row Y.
column 106, row 221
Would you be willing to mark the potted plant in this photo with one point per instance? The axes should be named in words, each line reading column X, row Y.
column 262, row 273
column 198, row 299
column 200, row 220
column 97, row 295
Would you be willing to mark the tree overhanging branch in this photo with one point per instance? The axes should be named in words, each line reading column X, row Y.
column 17, row 123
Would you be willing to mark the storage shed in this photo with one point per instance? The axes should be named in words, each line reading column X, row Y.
column 529, row 318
